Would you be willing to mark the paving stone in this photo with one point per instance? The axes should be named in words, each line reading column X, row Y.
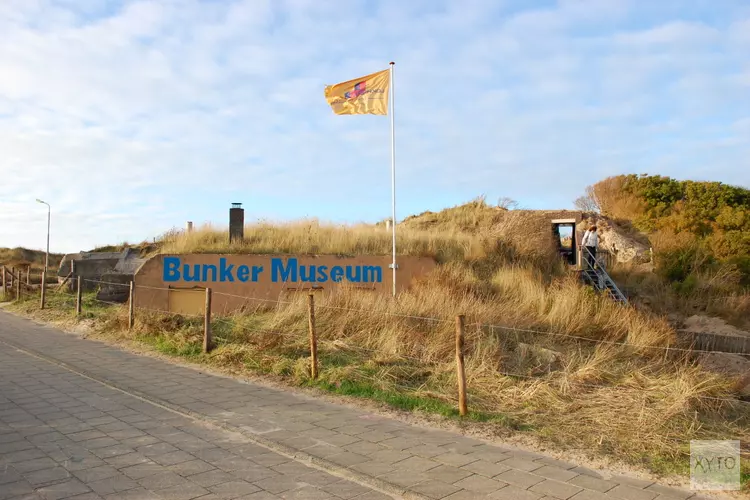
column 95, row 473
column 418, row 464
column 292, row 468
column 161, row 480
column 554, row 462
column 34, row 464
column 254, row 474
column 342, row 489
column 374, row 469
column 211, row 478
column 278, row 484
column 448, row 474
column 67, row 489
column 93, row 496
column 373, row 495
column 404, row 478
column 592, row 483
column 9, row 475
column 340, row 440
column 479, row 484
column 306, row 493
column 556, row 473
column 47, row 476
column 113, row 484
column 102, row 442
column 556, row 489
column 511, row 492
column 173, row 458
column 84, row 435
column 112, row 451
column 389, row 456
column 269, row 459
column 485, row 468
column 632, row 481
column 142, row 470
column 435, row 489
column 591, row 495
column 139, row 440
column 127, row 460
column 16, row 488
column 348, row 458
column 455, row 459
column 521, row 464
column 134, row 494
column 182, row 492
column 233, row 489
column 626, row 492
column 519, row 478
column 190, row 467
column 318, row 478
column 670, row 493
column 426, row 450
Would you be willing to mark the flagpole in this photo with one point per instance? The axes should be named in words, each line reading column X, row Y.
column 393, row 181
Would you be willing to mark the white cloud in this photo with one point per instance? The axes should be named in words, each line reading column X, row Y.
column 131, row 117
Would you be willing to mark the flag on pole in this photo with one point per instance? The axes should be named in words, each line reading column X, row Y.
column 367, row 95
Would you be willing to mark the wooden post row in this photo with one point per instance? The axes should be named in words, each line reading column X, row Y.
column 78, row 296
column 313, row 339
column 131, row 306
column 43, row 289
column 462, row 408
column 207, row 341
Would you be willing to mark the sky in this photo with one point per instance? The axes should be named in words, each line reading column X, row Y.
column 133, row 117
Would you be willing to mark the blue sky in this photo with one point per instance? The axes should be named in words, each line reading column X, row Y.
column 132, row 117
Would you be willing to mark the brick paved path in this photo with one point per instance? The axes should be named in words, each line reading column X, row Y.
column 61, row 428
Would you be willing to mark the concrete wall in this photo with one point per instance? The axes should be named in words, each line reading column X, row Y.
column 116, row 287
column 93, row 270
column 253, row 277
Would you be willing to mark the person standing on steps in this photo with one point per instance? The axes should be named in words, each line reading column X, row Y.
column 591, row 242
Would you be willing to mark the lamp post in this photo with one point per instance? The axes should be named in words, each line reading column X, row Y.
column 46, row 256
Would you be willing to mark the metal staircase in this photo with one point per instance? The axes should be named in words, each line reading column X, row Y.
column 598, row 278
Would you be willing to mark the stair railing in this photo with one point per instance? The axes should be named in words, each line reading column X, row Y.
column 603, row 278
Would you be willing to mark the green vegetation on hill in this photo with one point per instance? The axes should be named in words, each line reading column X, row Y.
column 700, row 235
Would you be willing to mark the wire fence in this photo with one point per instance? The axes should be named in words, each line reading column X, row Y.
column 221, row 330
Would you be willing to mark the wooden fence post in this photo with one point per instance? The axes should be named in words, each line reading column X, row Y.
column 462, row 409
column 5, row 283
column 78, row 296
column 313, row 339
column 28, row 275
column 131, row 305
column 18, row 286
column 207, row 323
column 43, row 288
column 12, row 284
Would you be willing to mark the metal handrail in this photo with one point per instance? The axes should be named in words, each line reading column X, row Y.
column 607, row 277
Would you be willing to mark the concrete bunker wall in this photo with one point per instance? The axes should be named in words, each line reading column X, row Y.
column 170, row 283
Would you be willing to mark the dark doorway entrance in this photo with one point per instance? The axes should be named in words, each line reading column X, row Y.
column 564, row 234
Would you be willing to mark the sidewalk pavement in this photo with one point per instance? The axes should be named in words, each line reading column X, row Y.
column 65, row 436
column 389, row 455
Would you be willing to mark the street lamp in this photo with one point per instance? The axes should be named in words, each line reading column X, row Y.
column 46, row 256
